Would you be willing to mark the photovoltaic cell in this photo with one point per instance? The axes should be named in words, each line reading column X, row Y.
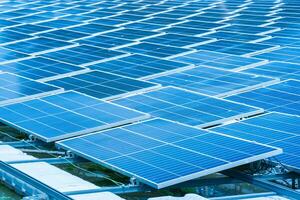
column 162, row 153
column 84, row 55
column 281, row 97
column 92, row 28
column 38, row 45
column 42, row 69
column 214, row 82
column 219, row 60
column 103, row 85
column 282, row 70
column 64, row 35
column 178, row 40
column 65, row 115
column 286, row 54
column 132, row 34
column 8, row 36
column 7, row 55
column 187, row 107
column 156, row 50
column 29, row 28
column 236, row 47
column 105, row 41
column 140, row 66
column 275, row 129
column 16, row 88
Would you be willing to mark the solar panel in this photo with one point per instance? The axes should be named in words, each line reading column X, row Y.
column 188, row 31
column 58, row 23
column 236, row 48
column 41, row 69
column 283, row 41
column 64, row 35
column 202, row 25
column 92, row 28
column 285, row 54
column 156, row 50
column 275, row 129
column 241, row 37
column 84, row 55
column 140, row 66
column 282, row 97
column 250, row 29
column 282, row 70
column 8, row 55
column 187, row 107
column 132, row 34
column 214, row 82
column 179, row 40
column 29, row 28
column 4, row 23
column 38, row 45
column 8, row 36
column 105, row 42
column 162, row 153
column 219, row 60
column 16, row 88
column 103, row 85
column 66, row 115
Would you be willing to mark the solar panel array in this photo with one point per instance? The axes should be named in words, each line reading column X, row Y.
column 275, row 129
column 161, row 153
column 65, row 115
column 200, row 63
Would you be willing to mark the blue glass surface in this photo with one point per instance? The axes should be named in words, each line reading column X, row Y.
column 212, row 81
column 65, row 115
column 161, row 160
column 275, row 129
column 186, row 107
column 101, row 84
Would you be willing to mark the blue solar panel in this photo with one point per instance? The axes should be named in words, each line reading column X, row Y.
column 103, row 85
column 286, row 54
column 187, row 31
column 16, row 88
column 275, row 129
column 241, row 37
column 7, row 55
column 162, row 153
column 39, row 45
column 156, row 50
column 236, row 48
column 132, row 34
column 64, row 35
column 282, row 97
column 283, row 41
column 58, row 23
column 8, row 36
column 105, row 41
column 250, row 29
column 140, row 66
column 187, row 107
column 29, row 28
column 84, row 55
column 220, row 60
column 41, row 69
column 7, row 23
column 214, row 82
column 65, row 115
column 178, row 40
column 92, row 28
column 282, row 70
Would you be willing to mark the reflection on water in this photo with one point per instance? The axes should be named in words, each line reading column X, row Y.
column 6, row 194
